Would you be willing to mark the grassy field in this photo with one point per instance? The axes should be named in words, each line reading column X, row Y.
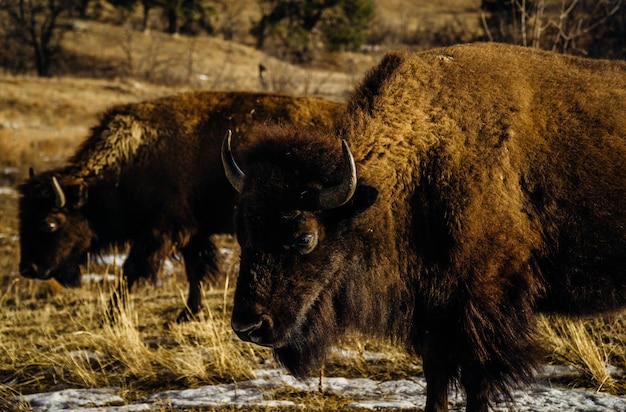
column 54, row 338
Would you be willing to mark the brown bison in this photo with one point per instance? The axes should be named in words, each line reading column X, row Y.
column 149, row 175
column 477, row 186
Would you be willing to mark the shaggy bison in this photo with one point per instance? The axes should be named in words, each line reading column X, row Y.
column 149, row 175
column 477, row 185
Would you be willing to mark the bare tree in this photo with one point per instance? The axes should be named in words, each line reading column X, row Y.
column 568, row 26
column 35, row 24
column 578, row 22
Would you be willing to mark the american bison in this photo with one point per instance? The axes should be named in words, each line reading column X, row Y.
column 477, row 185
column 149, row 175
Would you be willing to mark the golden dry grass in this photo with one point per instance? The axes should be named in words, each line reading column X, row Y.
column 591, row 345
column 53, row 342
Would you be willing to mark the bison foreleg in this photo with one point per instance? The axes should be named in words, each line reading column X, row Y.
column 146, row 257
column 144, row 261
column 200, row 262
column 439, row 370
column 477, row 389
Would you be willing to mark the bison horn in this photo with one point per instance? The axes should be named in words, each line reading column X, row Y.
column 58, row 192
column 234, row 174
column 335, row 196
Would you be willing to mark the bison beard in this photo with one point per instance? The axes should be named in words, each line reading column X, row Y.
column 308, row 347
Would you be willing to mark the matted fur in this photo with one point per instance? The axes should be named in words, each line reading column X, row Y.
column 117, row 146
column 491, row 182
column 150, row 175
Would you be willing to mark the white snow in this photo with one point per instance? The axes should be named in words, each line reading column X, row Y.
column 117, row 260
column 97, row 278
column 265, row 390
column 7, row 191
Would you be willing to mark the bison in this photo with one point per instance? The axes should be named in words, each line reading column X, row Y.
column 149, row 175
column 476, row 186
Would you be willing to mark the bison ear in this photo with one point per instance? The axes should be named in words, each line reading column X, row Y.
column 364, row 197
column 77, row 195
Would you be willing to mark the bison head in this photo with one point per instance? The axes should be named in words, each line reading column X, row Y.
column 298, row 200
column 54, row 234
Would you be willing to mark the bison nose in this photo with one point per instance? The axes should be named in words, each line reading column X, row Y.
column 32, row 271
column 253, row 328
column 244, row 330
column 29, row 270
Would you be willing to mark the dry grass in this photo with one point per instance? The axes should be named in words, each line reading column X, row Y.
column 592, row 346
column 54, row 342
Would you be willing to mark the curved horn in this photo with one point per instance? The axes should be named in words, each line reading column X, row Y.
column 336, row 196
column 234, row 174
column 58, row 192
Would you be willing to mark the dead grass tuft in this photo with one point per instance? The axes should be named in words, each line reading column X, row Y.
column 595, row 347
column 63, row 341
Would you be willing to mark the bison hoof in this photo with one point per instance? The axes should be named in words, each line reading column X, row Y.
column 187, row 315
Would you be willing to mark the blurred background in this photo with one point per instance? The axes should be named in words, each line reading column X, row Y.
column 132, row 38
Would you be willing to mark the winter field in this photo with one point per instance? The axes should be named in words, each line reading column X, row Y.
column 57, row 353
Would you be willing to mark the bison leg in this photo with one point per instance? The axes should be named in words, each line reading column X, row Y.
column 200, row 261
column 477, row 390
column 144, row 261
column 146, row 257
column 439, row 370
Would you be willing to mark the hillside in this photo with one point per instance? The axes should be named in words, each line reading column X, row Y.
column 41, row 119
column 106, row 62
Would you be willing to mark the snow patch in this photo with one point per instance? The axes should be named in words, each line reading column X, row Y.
column 265, row 389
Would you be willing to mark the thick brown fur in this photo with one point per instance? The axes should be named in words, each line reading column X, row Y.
column 150, row 175
column 491, row 182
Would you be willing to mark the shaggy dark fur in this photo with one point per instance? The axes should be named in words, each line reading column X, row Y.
column 491, row 186
column 150, row 175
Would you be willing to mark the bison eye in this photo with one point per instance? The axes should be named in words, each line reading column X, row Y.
column 306, row 242
column 49, row 226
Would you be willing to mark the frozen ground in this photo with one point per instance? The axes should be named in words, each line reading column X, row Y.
column 269, row 383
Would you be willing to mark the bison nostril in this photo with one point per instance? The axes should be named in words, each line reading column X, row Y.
column 252, row 329
column 246, row 328
column 29, row 270
column 33, row 271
